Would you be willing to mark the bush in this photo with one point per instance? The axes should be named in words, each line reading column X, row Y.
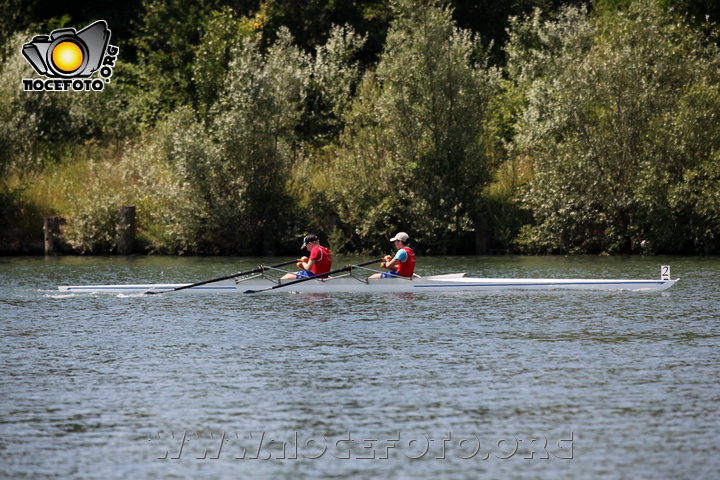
column 414, row 157
column 609, row 126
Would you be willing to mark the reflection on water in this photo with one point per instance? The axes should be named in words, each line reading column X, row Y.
column 522, row 385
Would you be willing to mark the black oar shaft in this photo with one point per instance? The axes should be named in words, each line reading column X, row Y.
column 346, row 268
column 227, row 277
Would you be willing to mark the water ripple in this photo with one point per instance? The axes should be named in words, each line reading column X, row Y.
column 103, row 386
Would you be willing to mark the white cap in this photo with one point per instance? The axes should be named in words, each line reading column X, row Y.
column 402, row 236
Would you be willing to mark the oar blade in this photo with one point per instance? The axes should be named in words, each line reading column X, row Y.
column 256, row 291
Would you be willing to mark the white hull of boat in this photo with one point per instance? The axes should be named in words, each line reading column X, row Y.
column 439, row 283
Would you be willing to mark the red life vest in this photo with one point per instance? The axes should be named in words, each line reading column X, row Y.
column 407, row 268
column 323, row 260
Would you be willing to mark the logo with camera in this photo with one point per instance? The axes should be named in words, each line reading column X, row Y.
column 68, row 59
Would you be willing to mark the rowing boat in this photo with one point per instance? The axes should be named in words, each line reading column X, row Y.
column 453, row 282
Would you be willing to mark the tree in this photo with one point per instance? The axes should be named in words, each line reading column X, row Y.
column 168, row 43
column 237, row 167
column 425, row 112
column 335, row 76
column 601, row 114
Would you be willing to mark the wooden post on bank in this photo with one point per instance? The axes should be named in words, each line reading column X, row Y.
column 52, row 234
column 126, row 231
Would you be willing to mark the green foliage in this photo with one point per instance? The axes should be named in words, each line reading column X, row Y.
column 334, row 77
column 311, row 22
column 420, row 127
column 690, row 179
column 166, row 44
column 93, row 220
column 39, row 128
column 236, row 169
column 597, row 129
column 697, row 11
column 222, row 31
column 21, row 220
column 19, row 126
column 357, row 176
column 14, row 15
column 256, row 124
column 602, row 134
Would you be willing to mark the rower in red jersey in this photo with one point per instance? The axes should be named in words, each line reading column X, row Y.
column 403, row 263
column 318, row 263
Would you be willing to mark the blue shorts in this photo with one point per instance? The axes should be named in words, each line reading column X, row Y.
column 392, row 274
column 303, row 274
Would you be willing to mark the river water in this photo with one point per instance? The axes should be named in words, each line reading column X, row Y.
column 497, row 385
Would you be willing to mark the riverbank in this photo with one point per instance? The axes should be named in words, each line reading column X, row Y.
column 244, row 140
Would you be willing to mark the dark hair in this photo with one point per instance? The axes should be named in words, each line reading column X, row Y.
column 310, row 237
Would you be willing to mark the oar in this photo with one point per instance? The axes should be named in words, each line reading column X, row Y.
column 238, row 274
column 346, row 268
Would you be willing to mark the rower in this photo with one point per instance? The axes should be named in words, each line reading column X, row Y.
column 403, row 263
column 319, row 262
